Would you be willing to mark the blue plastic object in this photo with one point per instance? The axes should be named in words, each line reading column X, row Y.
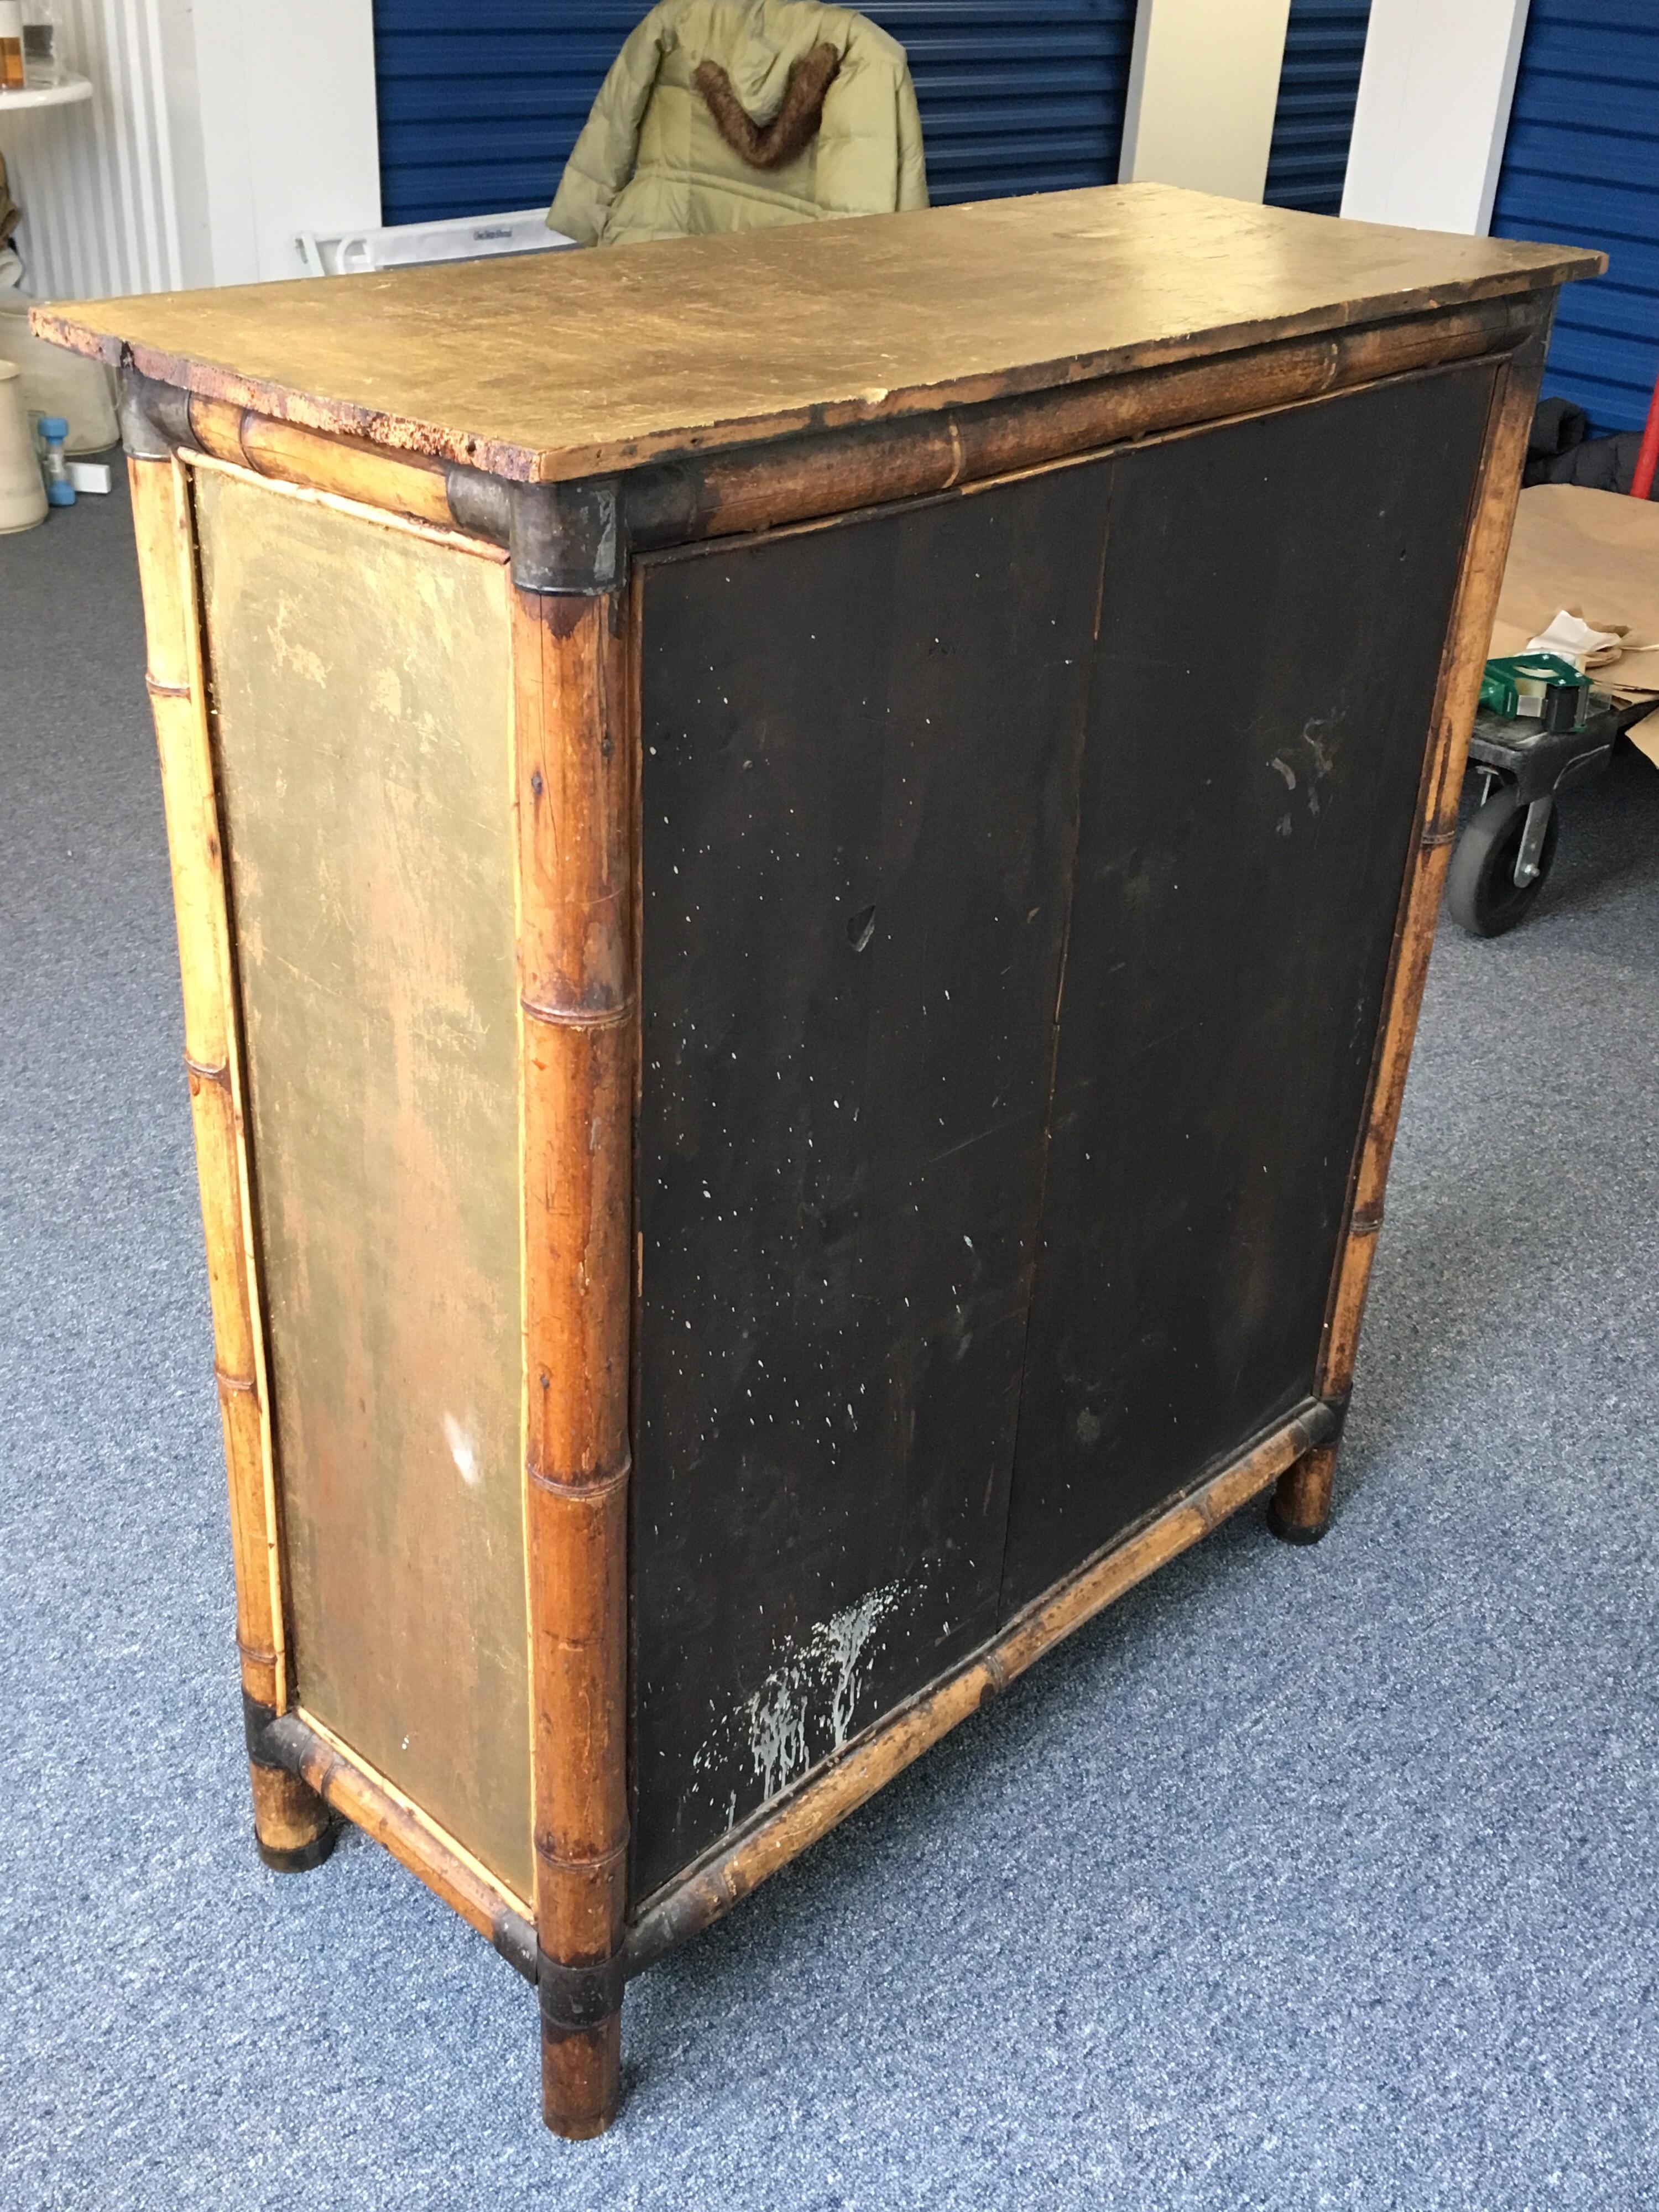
column 60, row 492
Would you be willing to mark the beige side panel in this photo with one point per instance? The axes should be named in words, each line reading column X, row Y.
column 360, row 680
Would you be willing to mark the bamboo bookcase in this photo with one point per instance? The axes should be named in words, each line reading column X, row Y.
column 474, row 597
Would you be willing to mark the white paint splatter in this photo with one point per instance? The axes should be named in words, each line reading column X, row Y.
column 463, row 1451
column 811, row 1694
column 844, row 1636
column 777, row 1731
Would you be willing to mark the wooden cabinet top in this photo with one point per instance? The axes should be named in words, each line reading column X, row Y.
column 561, row 365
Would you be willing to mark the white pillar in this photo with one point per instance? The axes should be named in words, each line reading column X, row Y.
column 216, row 130
column 1434, row 112
column 1203, row 90
column 288, row 138
column 96, row 181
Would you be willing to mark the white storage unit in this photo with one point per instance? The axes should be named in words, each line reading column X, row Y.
column 400, row 245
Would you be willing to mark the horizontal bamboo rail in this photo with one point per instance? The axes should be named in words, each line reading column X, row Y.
column 304, row 1748
column 807, row 476
column 836, row 472
column 821, row 1802
column 352, row 1789
column 405, row 484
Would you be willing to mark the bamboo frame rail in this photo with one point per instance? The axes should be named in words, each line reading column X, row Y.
column 1300, row 1505
column 822, row 1799
column 406, row 484
column 290, row 1821
column 761, row 486
column 572, row 785
column 800, row 477
column 300, row 1743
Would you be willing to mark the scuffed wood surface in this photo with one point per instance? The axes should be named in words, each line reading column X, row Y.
column 563, row 365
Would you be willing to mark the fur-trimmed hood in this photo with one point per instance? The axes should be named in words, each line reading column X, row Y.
column 761, row 52
column 739, row 114
column 768, row 145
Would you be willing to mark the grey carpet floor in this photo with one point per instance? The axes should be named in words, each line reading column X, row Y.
column 1299, row 1879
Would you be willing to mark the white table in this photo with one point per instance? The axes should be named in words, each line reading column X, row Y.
column 67, row 90
column 44, row 156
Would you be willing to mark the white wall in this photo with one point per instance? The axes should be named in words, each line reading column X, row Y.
column 217, row 129
column 1203, row 88
column 288, row 136
column 1434, row 112
column 96, row 181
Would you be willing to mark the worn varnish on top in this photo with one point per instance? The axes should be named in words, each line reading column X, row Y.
column 555, row 366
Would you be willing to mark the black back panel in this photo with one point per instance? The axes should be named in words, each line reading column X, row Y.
column 862, row 750
column 1276, row 596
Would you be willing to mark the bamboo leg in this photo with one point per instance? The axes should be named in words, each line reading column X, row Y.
column 1299, row 1511
column 291, row 1823
column 293, row 1828
column 1301, row 1503
column 574, row 807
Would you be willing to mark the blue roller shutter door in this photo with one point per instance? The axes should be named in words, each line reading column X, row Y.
column 1318, row 87
column 480, row 109
column 1016, row 99
column 1581, row 166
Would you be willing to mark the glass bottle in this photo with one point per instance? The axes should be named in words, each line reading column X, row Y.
column 11, row 46
column 40, row 63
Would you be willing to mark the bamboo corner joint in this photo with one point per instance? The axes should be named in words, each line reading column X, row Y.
column 873, row 1312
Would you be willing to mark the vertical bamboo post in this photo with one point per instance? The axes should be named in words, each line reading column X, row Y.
column 291, row 1823
column 1301, row 1506
column 574, row 807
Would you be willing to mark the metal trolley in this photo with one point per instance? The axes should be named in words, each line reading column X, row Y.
column 1507, row 846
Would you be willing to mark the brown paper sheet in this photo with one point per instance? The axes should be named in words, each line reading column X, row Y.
column 1597, row 554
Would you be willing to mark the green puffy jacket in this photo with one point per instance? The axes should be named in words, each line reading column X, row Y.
column 651, row 163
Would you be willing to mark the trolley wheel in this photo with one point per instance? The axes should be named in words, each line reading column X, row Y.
column 1480, row 887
